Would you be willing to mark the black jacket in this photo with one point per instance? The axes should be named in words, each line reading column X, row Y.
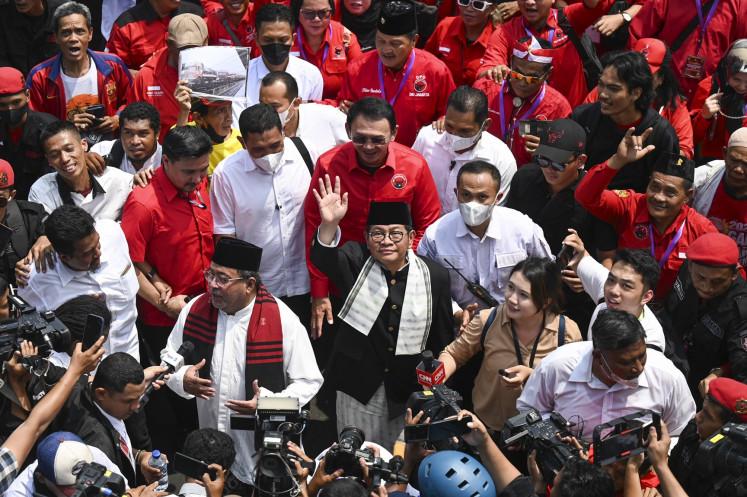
column 604, row 136
column 26, row 219
column 27, row 41
column 682, row 464
column 359, row 363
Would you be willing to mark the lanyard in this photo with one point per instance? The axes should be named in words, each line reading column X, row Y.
column 534, row 347
column 326, row 48
column 504, row 132
column 550, row 36
column 199, row 204
column 404, row 78
column 704, row 25
column 670, row 248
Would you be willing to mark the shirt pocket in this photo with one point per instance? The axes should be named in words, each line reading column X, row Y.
column 504, row 263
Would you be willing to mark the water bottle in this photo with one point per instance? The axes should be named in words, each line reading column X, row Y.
column 158, row 462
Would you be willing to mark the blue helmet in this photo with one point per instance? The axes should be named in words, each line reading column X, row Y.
column 450, row 473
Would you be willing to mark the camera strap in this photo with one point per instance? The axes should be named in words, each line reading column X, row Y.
column 517, row 349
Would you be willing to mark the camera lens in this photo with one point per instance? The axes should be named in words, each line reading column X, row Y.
column 352, row 437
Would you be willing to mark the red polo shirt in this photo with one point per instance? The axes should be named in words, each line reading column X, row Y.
column 552, row 106
column 404, row 177
column 449, row 43
column 423, row 95
column 218, row 35
column 340, row 47
column 627, row 211
column 173, row 235
column 568, row 75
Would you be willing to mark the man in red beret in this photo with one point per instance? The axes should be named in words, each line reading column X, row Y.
column 707, row 308
column 725, row 402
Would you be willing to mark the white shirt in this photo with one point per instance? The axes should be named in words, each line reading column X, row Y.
column 564, row 382
column 23, row 485
column 114, row 280
column 307, row 76
column 117, row 186
column 593, row 275
column 302, row 380
column 445, row 163
column 267, row 210
column 104, row 148
column 510, row 238
column 322, row 126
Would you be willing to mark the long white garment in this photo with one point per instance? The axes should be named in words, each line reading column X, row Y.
column 302, row 376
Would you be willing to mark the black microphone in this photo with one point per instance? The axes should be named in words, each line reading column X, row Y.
column 173, row 362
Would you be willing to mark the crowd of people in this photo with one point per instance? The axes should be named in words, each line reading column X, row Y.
column 513, row 209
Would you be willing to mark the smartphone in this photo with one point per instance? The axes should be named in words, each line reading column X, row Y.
column 191, row 467
column 564, row 257
column 437, row 430
column 92, row 330
column 528, row 127
column 626, row 440
column 99, row 112
column 503, row 372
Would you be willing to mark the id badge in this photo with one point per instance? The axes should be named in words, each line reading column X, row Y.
column 694, row 67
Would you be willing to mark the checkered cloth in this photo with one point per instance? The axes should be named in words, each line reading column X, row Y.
column 8, row 468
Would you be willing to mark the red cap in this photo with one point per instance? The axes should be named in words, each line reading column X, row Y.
column 11, row 81
column 731, row 394
column 7, row 178
column 654, row 50
column 714, row 249
column 530, row 49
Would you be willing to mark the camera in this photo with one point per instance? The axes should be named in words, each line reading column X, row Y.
column 531, row 432
column 93, row 479
column 42, row 329
column 724, row 455
column 438, row 403
column 346, row 453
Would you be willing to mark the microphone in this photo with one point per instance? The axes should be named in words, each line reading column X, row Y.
column 173, row 362
column 430, row 371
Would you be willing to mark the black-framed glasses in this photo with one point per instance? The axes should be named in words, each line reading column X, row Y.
column 478, row 5
column 394, row 236
column 310, row 15
column 221, row 281
column 376, row 140
column 201, row 204
column 544, row 163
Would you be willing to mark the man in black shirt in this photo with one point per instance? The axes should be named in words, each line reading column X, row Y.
column 27, row 33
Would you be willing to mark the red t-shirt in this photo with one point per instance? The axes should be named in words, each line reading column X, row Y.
column 174, row 235
column 729, row 216
column 218, row 35
column 449, row 43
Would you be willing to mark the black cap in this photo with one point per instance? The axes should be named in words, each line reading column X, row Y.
column 237, row 254
column 675, row 165
column 560, row 139
column 398, row 17
column 386, row 213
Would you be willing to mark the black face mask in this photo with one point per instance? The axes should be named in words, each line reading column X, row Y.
column 214, row 137
column 14, row 116
column 276, row 53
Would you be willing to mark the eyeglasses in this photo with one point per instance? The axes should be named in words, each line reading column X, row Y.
column 310, row 15
column 394, row 236
column 362, row 140
column 544, row 163
column 478, row 5
column 220, row 281
column 532, row 80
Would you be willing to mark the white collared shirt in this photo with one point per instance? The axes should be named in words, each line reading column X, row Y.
column 564, row 382
column 322, row 126
column 119, row 425
column 104, row 148
column 593, row 275
column 302, row 380
column 267, row 210
column 307, row 76
column 440, row 156
column 114, row 280
column 117, row 186
column 510, row 238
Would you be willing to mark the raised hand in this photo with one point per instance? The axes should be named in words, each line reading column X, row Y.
column 631, row 149
column 332, row 205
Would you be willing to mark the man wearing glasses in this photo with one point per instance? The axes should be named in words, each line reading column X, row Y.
column 396, row 305
column 524, row 95
column 236, row 329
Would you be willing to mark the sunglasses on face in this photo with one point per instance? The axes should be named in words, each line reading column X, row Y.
column 362, row 140
column 323, row 14
column 532, row 80
column 544, row 163
column 478, row 5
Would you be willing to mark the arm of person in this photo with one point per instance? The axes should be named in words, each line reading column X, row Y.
column 658, row 453
column 591, row 273
column 321, row 307
column 461, row 350
column 183, row 96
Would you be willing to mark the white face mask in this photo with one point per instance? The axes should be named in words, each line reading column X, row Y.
column 284, row 117
column 459, row 143
column 270, row 162
column 474, row 214
column 607, row 370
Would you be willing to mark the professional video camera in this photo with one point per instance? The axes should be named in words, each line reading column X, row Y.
column 278, row 420
column 531, row 432
column 441, row 405
column 724, row 455
column 437, row 403
column 93, row 479
column 42, row 329
column 346, row 454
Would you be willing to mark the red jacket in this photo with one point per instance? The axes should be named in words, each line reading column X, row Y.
column 449, row 43
column 217, row 34
column 711, row 139
column 665, row 20
column 47, row 92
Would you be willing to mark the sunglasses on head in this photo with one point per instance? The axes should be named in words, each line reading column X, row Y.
column 478, row 5
column 532, row 80
column 544, row 163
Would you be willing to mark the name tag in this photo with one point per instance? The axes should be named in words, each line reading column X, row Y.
column 154, row 88
column 444, row 49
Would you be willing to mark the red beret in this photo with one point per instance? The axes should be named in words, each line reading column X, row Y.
column 7, row 178
column 731, row 394
column 11, row 81
column 714, row 249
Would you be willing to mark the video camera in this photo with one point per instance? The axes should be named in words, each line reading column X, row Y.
column 441, row 404
column 724, row 455
column 346, row 454
column 93, row 479
column 42, row 329
column 531, row 432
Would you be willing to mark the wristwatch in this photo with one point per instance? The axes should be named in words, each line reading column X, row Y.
column 626, row 16
column 152, row 273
